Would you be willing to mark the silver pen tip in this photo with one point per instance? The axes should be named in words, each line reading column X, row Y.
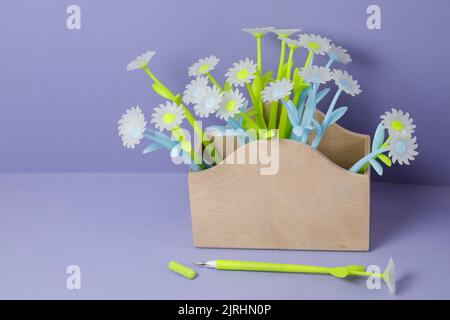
column 199, row 263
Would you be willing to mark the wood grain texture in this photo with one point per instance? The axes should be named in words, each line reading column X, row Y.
column 312, row 203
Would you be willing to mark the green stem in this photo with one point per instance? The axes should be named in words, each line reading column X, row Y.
column 384, row 145
column 285, row 126
column 257, row 106
column 308, row 59
column 155, row 79
column 297, row 97
column 273, row 115
column 274, row 108
column 259, row 53
column 214, row 82
column 262, row 121
column 250, row 122
column 281, row 63
column 199, row 131
column 179, row 134
column 250, row 92
column 290, row 62
column 191, row 119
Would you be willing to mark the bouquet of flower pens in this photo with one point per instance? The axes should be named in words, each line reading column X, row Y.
column 290, row 95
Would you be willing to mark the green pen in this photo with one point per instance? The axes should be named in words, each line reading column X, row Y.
column 338, row 272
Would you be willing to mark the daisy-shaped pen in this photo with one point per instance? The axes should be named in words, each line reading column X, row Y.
column 195, row 90
column 315, row 45
column 132, row 127
column 315, row 74
column 292, row 45
column 338, row 54
column 204, row 66
column 277, row 90
column 283, row 71
column 241, row 73
column 345, row 83
column 389, row 276
column 398, row 121
column 209, row 102
column 402, row 147
column 167, row 116
column 283, row 35
column 230, row 105
column 141, row 62
column 258, row 33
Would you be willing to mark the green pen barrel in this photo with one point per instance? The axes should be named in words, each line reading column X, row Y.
column 268, row 267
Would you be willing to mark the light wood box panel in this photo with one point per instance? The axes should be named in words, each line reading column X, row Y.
column 312, row 203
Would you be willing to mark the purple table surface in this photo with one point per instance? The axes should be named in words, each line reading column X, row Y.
column 123, row 229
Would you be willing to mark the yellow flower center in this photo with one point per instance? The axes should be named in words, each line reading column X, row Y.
column 169, row 117
column 397, row 125
column 313, row 45
column 242, row 74
column 204, row 68
column 231, row 105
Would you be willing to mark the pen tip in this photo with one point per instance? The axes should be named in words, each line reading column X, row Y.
column 199, row 263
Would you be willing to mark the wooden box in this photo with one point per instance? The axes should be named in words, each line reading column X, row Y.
column 312, row 203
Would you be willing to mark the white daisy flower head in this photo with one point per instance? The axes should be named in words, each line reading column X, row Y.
column 345, row 82
column 241, row 72
column 389, row 276
column 167, row 116
column 315, row 74
column 397, row 121
column 132, row 127
column 195, row 90
column 258, row 32
column 402, row 147
column 203, row 66
column 141, row 61
column 209, row 102
column 315, row 43
column 339, row 54
column 277, row 90
column 285, row 33
column 292, row 43
column 231, row 103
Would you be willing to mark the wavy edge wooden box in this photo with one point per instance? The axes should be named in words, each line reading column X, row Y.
column 312, row 203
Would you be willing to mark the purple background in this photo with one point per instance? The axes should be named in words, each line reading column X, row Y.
column 63, row 91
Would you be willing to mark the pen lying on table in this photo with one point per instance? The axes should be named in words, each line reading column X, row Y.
column 338, row 272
